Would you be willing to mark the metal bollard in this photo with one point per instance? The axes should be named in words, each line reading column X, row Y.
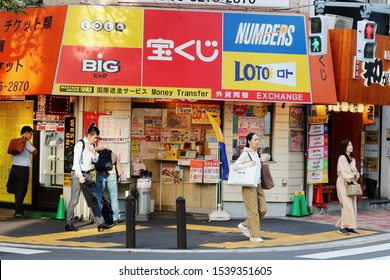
column 130, row 221
column 181, row 223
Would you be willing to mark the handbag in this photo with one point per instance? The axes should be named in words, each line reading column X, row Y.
column 354, row 189
column 267, row 182
column 16, row 145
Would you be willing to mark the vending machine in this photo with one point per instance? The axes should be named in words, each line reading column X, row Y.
column 51, row 173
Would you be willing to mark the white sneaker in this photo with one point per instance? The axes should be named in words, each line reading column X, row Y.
column 244, row 229
column 256, row 239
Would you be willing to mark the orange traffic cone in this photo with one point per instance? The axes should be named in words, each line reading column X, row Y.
column 318, row 199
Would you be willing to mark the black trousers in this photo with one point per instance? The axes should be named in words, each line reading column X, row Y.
column 17, row 184
column 89, row 191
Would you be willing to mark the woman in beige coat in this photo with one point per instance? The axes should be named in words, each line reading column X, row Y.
column 347, row 173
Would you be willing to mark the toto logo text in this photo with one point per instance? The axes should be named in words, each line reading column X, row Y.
column 97, row 26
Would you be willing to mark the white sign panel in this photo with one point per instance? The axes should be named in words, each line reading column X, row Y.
column 241, row 3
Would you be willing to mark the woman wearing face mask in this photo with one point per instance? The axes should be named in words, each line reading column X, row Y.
column 254, row 198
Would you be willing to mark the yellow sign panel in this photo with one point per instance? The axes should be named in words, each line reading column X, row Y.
column 142, row 92
column 104, row 27
column 274, row 72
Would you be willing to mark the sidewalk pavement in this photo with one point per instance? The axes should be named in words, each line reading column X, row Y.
column 200, row 234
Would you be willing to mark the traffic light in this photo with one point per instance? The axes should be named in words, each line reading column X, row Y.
column 318, row 37
column 365, row 42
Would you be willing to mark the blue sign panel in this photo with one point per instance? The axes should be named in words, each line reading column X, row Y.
column 264, row 33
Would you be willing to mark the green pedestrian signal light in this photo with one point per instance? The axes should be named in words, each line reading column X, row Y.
column 318, row 35
column 315, row 44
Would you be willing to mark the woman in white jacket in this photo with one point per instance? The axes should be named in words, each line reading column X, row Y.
column 254, row 198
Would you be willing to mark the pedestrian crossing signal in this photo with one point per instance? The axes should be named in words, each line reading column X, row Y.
column 365, row 42
column 315, row 44
column 318, row 36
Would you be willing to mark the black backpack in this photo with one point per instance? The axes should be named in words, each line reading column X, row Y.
column 69, row 155
column 107, row 211
column 104, row 164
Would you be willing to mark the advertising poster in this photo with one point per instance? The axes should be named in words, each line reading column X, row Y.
column 196, row 171
column 211, row 171
column 296, row 117
column 90, row 118
column 199, row 113
column 172, row 175
column 296, row 141
column 317, row 150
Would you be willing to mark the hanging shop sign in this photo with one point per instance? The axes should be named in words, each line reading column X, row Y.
column 369, row 81
column 69, row 142
column 126, row 52
column 29, row 49
column 368, row 116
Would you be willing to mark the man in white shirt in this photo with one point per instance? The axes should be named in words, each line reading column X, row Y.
column 84, row 156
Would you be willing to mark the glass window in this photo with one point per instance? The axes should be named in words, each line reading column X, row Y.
column 248, row 119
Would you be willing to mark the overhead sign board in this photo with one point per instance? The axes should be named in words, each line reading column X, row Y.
column 29, row 49
column 226, row 3
column 127, row 52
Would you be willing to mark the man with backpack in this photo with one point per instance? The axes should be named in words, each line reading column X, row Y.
column 84, row 156
column 108, row 172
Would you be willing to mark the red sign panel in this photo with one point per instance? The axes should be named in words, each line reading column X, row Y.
column 188, row 53
column 100, row 66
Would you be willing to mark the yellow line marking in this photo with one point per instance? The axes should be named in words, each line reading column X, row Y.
column 59, row 239
column 270, row 238
column 280, row 239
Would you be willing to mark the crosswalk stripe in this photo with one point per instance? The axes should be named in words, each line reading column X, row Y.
column 347, row 252
column 21, row 251
column 380, row 258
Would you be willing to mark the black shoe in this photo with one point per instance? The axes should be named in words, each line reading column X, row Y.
column 352, row 231
column 18, row 215
column 344, row 231
column 70, row 227
column 104, row 226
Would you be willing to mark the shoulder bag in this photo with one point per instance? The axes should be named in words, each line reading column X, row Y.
column 266, row 178
column 16, row 146
column 354, row 189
